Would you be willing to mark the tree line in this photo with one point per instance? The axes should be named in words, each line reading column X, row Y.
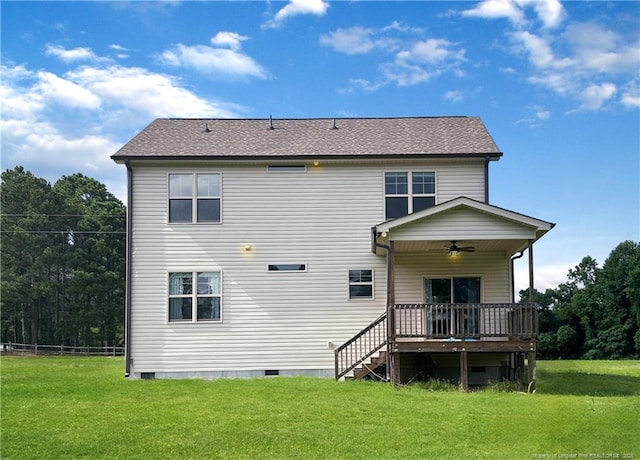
column 595, row 314
column 63, row 261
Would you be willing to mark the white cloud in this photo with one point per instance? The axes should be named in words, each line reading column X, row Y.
column 550, row 12
column 65, row 92
column 496, row 9
column 594, row 57
column 122, row 52
column 432, row 51
column 149, row 93
column 231, row 39
column 295, row 8
column 539, row 50
column 535, row 115
column 412, row 59
column 631, row 95
column 115, row 100
column 217, row 62
column 594, row 96
column 543, row 115
column 354, row 40
column 602, row 50
column 72, row 55
column 453, row 96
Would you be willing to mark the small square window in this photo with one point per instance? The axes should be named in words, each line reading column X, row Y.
column 361, row 284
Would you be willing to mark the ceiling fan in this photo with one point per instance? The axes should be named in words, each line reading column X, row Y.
column 455, row 250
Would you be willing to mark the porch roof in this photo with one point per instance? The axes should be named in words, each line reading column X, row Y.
column 464, row 220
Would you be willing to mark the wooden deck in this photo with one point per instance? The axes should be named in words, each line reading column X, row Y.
column 441, row 328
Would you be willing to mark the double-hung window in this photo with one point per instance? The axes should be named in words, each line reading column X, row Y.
column 195, row 197
column 361, row 284
column 195, row 296
column 406, row 192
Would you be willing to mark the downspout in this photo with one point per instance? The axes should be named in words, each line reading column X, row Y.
column 486, row 179
column 513, row 281
column 128, row 269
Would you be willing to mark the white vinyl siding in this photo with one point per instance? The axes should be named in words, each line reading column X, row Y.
column 464, row 224
column 285, row 321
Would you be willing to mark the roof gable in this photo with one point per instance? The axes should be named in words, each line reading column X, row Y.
column 320, row 137
column 490, row 222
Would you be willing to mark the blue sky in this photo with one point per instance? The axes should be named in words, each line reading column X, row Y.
column 557, row 85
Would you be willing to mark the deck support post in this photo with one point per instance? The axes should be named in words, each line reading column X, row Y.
column 464, row 373
column 531, row 366
column 395, row 368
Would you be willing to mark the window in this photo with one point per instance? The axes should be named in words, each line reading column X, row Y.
column 202, row 206
column 361, row 284
column 287, row 267
column 287, row 168
column 406, row 193
column 195, row 296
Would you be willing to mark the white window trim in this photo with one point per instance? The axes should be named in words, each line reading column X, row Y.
column 373, row 286
column 410, row 195
column 194, row 198
column 194, row 297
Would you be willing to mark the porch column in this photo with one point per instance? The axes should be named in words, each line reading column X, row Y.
column 393, row 357
column 531, row 358
column 532, row 296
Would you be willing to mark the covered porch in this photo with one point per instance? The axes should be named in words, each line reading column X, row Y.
column 450, row 290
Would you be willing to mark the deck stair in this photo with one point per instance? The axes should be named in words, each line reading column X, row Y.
column 364, row 352
column 371, row 369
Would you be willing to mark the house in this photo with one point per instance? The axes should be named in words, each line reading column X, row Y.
column 339, row 248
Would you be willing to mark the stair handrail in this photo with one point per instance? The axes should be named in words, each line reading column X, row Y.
column 361, row 346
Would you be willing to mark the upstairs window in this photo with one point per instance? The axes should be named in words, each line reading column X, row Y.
column 194, row 198
column 406, row 193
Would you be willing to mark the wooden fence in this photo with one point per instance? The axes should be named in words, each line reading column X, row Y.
column 37, row 349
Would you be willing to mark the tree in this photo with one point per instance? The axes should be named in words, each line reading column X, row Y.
column 617, row 318
column 27, row 232
column 63, row 260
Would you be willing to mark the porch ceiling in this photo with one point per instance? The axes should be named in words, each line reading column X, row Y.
column 509, row 247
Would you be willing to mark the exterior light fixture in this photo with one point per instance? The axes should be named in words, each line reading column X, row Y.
column 248, row 247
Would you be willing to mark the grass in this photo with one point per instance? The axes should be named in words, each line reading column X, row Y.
column 68, row 407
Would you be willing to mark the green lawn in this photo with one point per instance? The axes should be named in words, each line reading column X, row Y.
column 82, row 407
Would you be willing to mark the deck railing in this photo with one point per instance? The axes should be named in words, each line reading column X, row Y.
column 507, row 321
column 465, row 321
column 360, row 347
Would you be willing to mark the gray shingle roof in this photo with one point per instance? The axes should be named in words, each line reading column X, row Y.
column 317, row 137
